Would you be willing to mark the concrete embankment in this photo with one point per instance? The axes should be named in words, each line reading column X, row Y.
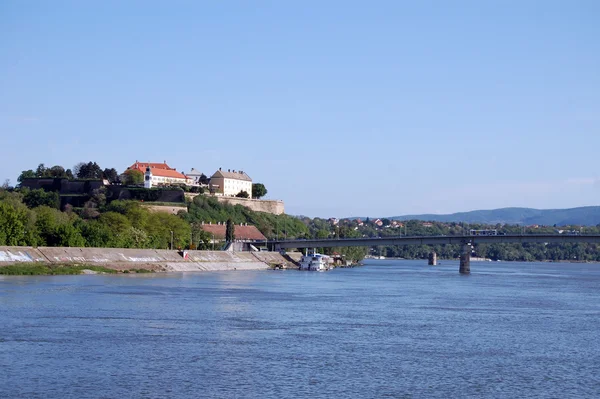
column 151, row 259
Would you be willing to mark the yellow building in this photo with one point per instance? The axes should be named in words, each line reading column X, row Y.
column 229, row 183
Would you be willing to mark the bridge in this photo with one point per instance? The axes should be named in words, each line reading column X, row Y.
column 466, row 241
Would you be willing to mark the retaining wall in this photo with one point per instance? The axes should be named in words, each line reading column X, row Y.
column 12, row 255
column 275, row 258
column 221, row 260
column 270, row 206
column 155, row 259
column 275, row 207
column 173, row 210
column 295, row 256
column 103, row 255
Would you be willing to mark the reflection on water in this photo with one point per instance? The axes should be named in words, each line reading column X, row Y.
column 391, row 329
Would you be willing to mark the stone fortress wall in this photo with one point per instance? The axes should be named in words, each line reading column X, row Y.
column 276, row 207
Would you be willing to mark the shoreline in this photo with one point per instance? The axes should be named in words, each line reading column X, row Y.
column 492, row 261
column 126, row 260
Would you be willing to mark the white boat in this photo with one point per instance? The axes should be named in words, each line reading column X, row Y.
column 315, row 262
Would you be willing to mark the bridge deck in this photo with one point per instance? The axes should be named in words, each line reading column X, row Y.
column 433, row 240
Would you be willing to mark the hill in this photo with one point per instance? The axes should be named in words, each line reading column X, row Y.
column 587, row 216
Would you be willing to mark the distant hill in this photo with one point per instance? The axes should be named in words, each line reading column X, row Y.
column 587, row 215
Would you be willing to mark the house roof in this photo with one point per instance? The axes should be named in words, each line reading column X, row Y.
column 239, row 175
column 241, row 232
column 167, row 173
column 194, row 172
column 152, row 165
column 162, row 170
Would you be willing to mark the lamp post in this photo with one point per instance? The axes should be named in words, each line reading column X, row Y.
column 213, row 241
column 171, row 239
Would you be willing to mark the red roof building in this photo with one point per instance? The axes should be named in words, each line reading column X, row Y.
column 161, row 172
column 153, row 165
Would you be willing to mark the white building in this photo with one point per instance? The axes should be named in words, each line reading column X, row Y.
column 159, row 174
column 197, row 177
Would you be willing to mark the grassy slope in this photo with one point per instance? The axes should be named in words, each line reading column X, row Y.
column 40, row 269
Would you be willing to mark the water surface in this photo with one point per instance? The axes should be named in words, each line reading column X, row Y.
column 390, row 329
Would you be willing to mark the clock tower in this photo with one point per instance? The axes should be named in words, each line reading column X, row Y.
column 148, row 178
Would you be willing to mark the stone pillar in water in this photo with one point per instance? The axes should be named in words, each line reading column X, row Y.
column 465, row 259
column 432, row 259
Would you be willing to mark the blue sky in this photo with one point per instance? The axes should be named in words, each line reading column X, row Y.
column 340, row 108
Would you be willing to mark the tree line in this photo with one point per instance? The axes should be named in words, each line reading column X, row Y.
column 83, row 170
column 32, row 219
column 507, row 252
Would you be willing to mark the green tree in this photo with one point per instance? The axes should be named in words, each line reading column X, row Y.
column 40, row 171
column 90, row 210
column 203, row 179
column 14, row 200
column 56, row 171
column 96, row 234
column 111, row 175
column 39, row 197
column 137, row 238
column 56, row 228
column 67, row 235
column 90, row 170
column 258, row 190
column 116, row 222
column 13, row 222
column 230, row 231
column 121, row 206
column 26, row 174
column 242, row 194
column 133, row 177
column 159, row 226
column 322, row 234
column 119, row 227
column 99, row 196
column 200, row 238
column 203, row 240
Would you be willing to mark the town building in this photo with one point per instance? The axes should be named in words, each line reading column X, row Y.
column 159, row 174
column 230, row 183
column 197, row 178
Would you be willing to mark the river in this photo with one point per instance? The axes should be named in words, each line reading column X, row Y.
column 398, row 329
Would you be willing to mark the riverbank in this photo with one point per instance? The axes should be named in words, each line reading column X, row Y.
column 35, row 269
column 60, row 260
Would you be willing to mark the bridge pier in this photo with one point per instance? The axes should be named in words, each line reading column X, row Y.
column 432, row 259
column 465, row 259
